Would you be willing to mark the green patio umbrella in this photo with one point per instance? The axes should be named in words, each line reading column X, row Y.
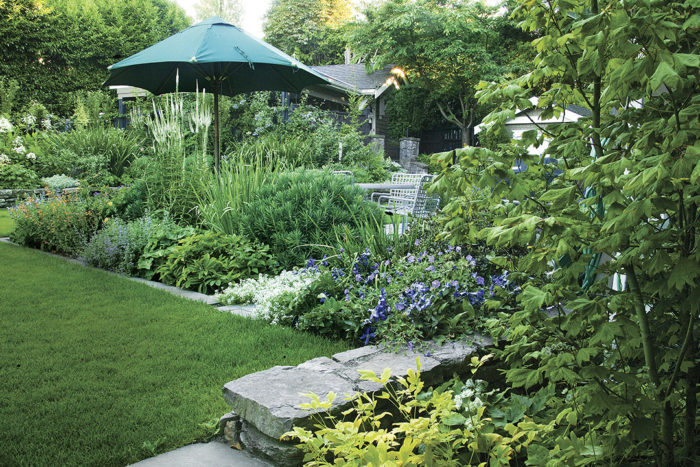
column 217, row 56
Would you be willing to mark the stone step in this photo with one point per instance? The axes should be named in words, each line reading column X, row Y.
column 265, row 405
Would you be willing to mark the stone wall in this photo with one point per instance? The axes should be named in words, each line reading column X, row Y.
column 265, row 405
column 10, row 198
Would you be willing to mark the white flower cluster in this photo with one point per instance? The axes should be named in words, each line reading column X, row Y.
column 265, row 290
column 29, row 120
column 46, row 123
column 4, row 159
column 469, row 399
column 31, row 155
column 20, row 149
column 5, row 125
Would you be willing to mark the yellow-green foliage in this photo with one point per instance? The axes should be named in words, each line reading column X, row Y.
column 427, row 428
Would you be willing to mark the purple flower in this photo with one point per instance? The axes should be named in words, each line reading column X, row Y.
column 358, row 277
column 410, row 346
column 431, row 259
column 458, row 249
column 417, row 242
column 430, row 268
column 479, row 280
column 435, row 284
column 410, row 259
column 368, row 335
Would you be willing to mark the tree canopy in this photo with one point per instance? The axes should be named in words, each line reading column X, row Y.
column 312, row 30
column 606, row 225
column 445, row 47
column 52, row 48
column 230, row 10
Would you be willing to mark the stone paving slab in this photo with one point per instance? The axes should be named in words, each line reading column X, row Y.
column 213, row 454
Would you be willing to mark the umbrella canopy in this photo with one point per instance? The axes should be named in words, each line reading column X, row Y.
column 217, row 56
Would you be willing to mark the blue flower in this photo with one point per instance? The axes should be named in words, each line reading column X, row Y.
column 368, row 335
column 435, row 284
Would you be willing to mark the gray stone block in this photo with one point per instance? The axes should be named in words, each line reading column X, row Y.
column 281, row 453
column 398, row 362
column 270, row 399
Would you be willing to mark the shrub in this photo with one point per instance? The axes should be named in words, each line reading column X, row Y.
column 14, row 176
column 63, row 224
column 205, row 262
column 131, row 201
column 433, row 291
column 119, row 245
column 299, row 214
column 57, row 183
column 163, row 240
column 98, row 155
column 456, row 424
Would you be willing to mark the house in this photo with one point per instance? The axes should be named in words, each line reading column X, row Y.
column 531, row 119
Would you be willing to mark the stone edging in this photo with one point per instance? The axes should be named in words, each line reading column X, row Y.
column 248, row 311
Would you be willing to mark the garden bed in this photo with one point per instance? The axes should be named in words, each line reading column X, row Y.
column 97, row 369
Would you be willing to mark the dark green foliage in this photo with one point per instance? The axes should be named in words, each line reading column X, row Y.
column 130, row 201
column 162, row 241
column 209, row 261
column 445, row 49
column 54, row 48
column 97, row 155
column 299, row 214
column 85, row 354
column 17, row 176
column 311, row 30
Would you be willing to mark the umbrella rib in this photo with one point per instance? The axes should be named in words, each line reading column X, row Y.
column 163, row 83
column 284, row 78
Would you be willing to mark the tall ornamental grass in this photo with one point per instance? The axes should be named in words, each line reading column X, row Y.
column 223, row 198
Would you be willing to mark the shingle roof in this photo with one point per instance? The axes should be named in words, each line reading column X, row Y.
column 355, row 75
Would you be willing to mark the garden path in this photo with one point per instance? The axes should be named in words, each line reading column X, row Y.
column 210, row 454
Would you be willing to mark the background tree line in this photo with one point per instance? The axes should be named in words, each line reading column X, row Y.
column 55, row 47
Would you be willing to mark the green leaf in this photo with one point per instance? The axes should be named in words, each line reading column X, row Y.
column 664, row 74
column 684, row 273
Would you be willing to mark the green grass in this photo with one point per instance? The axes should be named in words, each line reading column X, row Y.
column 92, row 365
column 7, row 225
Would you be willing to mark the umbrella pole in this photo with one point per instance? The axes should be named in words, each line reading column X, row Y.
column 216, row 126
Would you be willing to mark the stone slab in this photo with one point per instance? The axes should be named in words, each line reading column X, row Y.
column 357, row 354
column 270, row 399
column 398, row 362
column 204, row 455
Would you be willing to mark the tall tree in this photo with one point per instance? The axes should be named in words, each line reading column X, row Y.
column 312, row 30
column 230, row 10
column 622, row 360
column 445, row 47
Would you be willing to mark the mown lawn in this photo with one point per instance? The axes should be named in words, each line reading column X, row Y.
column 7, row 225
column 95, row 368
